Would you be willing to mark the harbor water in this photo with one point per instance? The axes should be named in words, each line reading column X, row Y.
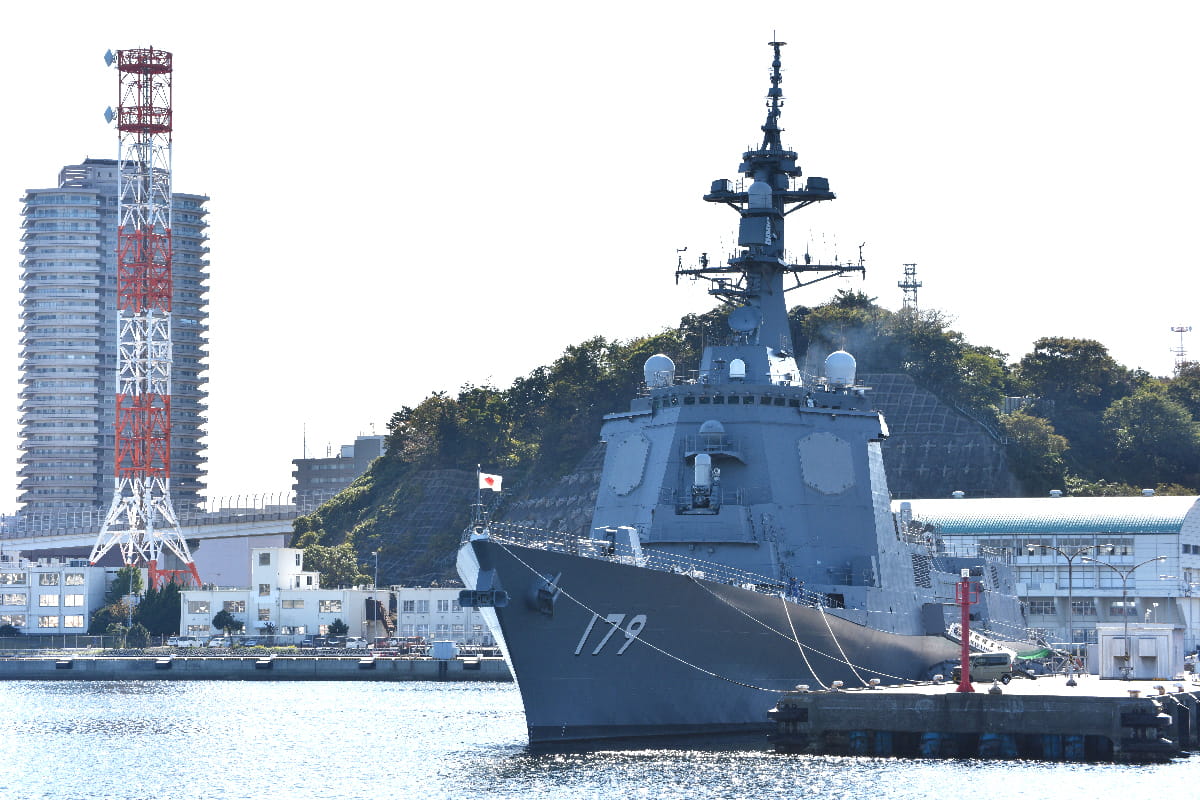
column 78, row 740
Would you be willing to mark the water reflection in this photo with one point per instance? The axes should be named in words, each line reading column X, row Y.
column 426, row 740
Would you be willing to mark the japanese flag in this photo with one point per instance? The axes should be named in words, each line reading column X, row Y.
column 489, row 481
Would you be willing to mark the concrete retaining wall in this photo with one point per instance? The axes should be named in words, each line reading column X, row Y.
column 237, row 668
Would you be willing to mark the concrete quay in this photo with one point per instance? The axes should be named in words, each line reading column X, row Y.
column 251, row 668
column 1097, row 720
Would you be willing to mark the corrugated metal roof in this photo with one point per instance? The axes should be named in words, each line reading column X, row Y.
column 1047, row 515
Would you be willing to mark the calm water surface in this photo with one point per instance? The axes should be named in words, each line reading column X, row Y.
column 158, row 739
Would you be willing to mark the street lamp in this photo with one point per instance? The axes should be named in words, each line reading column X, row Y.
column 375, row 585
column 1125, row 573
column 1070, row 557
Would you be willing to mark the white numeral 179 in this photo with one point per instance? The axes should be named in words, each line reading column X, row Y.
column 613, row 622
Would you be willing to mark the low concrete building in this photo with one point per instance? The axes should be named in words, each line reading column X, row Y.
column 287, row 601
column 49, row 595
column 1081, row 562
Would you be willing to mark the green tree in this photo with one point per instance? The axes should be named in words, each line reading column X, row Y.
column 119, row 633
column 126, row 581
column 338, row 628
column 1184, row 388
column 159, row 609
column 338, row 565
column 225, row 621
column 1035, row 452
column 1154, row 438
column 138, row 636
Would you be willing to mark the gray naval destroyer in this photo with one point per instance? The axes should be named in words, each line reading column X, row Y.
column 742, row 541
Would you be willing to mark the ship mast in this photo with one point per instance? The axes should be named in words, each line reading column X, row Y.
column 753, row 280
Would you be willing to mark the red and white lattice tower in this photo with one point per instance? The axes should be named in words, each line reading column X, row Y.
column 142, row 520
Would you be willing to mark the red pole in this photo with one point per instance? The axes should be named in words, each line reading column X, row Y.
column 963, row 598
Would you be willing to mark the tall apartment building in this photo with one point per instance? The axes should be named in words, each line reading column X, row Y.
column 69, row 342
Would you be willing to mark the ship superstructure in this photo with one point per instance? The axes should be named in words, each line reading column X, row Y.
column 742, row 540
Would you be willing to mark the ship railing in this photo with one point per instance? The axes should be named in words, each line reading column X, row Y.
column 619, row 552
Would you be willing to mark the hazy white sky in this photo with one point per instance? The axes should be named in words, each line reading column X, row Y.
column 409, row 197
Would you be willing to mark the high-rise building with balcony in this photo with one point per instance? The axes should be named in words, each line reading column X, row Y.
column 69, row 342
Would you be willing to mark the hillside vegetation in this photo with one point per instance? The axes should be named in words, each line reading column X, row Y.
column 1088, row 425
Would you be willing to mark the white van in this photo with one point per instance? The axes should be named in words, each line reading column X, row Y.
column 185, row 641
column 987, row 667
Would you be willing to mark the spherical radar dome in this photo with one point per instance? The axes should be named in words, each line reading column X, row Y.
column 840, row 368
column 659, row 371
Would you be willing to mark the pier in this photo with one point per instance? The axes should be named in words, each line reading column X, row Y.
column 1098, row 720
column 250, row 668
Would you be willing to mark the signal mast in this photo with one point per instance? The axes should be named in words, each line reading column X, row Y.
column 141, row 520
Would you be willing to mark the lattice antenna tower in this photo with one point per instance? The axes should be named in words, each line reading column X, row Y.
column 142, row 520
column 910, row 284
column 1180, row 351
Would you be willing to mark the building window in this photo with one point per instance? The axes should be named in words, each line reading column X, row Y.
column 48, row 579
column 298, row 555
column 293, row 604
column 264, row 613
column 48, row 600
column 1123, row 608
column 16, row 620
column 310, row 580
column 1083, row 608
column 73, row 600
column 422, row 606
column 48, row 622
column 12, row 578
column 443, row 606
column 73, row 579
column 264, row 559
column 454, row 606
column 442, row 631
column 1041, row 607
column 14, row 599
column 194, row 629
column 234, row 606
column 422, row 631
column 406, row 630
column 197, row 606
column 73, row 621
column 457, row 631
column 264, row 589
column 330, row 606
column 409, row 606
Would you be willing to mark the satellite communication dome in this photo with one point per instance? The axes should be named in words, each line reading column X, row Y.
column 659, row 371
column 712, row 426
column 840, row 368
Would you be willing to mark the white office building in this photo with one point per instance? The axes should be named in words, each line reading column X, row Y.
column 49, row 595
column 286, row 600
column 1081, row 561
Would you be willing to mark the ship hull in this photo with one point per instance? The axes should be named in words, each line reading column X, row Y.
column 602, row 649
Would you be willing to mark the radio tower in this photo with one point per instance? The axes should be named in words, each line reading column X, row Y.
column 910, row 284
column 141, row 519
column 1181, row 351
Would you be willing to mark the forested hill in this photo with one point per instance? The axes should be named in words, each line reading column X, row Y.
column 1088, row 425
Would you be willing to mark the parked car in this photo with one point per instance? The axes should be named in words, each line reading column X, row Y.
column 219, row 641
column 173, row 641
column 185, row 641
column 986, row 667
column 355, row 643
column 307, row 641
column 250, row 643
